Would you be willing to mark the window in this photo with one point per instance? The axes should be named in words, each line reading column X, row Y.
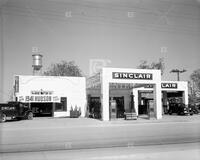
column 61, row 106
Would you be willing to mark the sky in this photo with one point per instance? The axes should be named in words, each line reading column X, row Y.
column 123, row 32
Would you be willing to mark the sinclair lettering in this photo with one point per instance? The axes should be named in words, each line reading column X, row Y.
column 164, row 85
column 123, row 75
column 169, row 85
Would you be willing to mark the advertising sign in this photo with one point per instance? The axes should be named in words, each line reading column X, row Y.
column 164, row 85
column 139, row 76
column 169, row 85
column 40, row 96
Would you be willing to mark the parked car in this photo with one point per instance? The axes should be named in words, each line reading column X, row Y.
column 15, row 110
column 179, row 109
column 194, row 108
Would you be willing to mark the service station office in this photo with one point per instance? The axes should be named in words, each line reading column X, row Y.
column 128, row 86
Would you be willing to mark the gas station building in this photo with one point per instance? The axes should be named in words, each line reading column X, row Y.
column 143, row 87
column 130, row 89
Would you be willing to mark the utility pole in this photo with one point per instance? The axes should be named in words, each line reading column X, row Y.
column 1, row 56
column 177, row 71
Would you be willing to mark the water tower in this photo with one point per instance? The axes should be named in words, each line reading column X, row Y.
column 37, row 64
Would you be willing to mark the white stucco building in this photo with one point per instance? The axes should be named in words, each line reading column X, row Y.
column 51, row 95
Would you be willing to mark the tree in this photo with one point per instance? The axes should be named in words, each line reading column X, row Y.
column 154, row 65
column 195, row 77
column 64, row 68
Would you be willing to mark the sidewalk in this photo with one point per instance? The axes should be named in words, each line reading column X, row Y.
column 165, row 118
column 49, row 122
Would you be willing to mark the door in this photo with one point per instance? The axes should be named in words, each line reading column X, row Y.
column 120, row 106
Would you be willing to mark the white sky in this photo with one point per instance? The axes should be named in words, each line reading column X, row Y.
column 124, row 32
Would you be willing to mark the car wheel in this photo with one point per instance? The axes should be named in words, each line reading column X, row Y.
column 2, row 118
column 30, row 116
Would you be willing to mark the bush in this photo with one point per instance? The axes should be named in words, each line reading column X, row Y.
column 75, row 113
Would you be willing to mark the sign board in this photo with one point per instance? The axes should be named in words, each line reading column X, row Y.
column 147, row 95
column 41, row 92
column 96, row 65
column 164, row 85
column 94, row 81
column 40, row 96
column 169, row 85
column 126, row 75
column 16, row 85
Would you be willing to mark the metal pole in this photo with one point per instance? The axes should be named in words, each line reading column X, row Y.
column 178, row 75
column 177, row 71
column 1, row 57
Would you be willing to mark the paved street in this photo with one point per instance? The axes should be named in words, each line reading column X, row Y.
column 187, row 151
column 68, row 134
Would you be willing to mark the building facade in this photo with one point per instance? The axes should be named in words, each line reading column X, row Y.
column 51, row 95
column 138, row 89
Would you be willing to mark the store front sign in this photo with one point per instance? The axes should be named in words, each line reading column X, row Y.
column 149, row 86
column 164, row 85
column 41, row 92
column 147, row 95
column 94, row 81
column 169, row 85
column 39, row 99
column 139, row 76
column 38, row 96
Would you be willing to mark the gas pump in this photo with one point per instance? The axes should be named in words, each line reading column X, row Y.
column 113, row 109
column 132, row 104
column 131, row 114
column 88, row 105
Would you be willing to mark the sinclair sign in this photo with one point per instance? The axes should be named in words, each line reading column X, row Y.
column 139, row 76
column 164, row 85
column 169, row 85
